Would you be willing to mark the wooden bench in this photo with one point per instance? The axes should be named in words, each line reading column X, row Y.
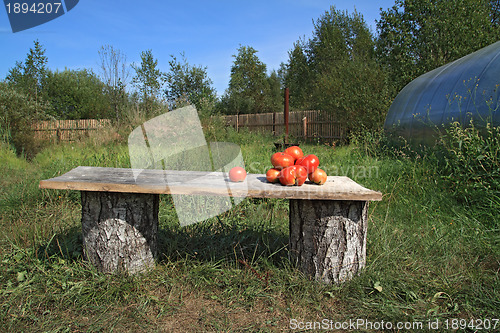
column 328, row 223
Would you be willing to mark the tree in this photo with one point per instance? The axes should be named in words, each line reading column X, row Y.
column 416, row 36
column 17, row 112
column 28, row 77
column 115, row 74
column 77, row 94
column 335, row 71
column 248, row 83
column 274, row 93
column 495, row 12
column 191, row 83
column 148, row 80
column 296, row 73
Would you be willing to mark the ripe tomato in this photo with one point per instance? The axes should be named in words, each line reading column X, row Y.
column 273, row 175
column 310, row 162
column 295, row 152
column 318, row 176
column 237, row 174
column 294, row 175
column 281, row 160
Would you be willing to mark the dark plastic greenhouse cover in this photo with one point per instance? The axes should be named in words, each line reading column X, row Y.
column 462, row 90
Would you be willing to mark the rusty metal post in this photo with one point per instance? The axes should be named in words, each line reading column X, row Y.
column 287, row 110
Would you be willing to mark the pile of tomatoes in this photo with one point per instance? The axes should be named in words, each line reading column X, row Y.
column 291, row 167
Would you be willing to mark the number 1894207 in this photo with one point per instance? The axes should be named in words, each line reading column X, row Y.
column 35, row 8
column 473, row 324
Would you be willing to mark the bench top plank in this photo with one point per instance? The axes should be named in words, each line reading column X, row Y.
column 203, row 183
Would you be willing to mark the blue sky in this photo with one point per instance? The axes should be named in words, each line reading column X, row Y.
column 208, row 32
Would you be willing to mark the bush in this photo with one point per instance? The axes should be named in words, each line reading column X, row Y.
column 17, row 112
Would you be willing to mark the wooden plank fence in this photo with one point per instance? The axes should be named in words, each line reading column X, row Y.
column 310, row 124
column 67, row 130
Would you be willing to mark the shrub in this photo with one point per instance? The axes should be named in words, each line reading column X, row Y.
column 16, row 115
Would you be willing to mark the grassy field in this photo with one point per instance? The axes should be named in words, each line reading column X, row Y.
column 430, row 258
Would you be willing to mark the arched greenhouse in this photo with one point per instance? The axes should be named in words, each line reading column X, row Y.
column 465, row 89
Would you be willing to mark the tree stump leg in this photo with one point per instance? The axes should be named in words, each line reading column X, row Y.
column 328, row 238
column 120, row 230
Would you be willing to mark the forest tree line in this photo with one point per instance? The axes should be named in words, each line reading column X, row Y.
column 343, row 68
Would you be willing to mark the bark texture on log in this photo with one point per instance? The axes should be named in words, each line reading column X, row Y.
column 120, row 230
column 328, row 238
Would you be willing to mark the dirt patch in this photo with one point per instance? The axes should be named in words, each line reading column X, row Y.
column 201, row 314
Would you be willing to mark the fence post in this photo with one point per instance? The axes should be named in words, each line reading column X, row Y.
column 304, row 124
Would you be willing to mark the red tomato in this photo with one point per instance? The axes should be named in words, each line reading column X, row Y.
column 237, row 174
column 273, row 175
column 301, row 174
column 295, row 152
column 281, row 160
column 310, row 162
column 318, row 176
column 294, row 175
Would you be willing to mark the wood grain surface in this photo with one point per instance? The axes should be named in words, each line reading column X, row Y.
column 203, row 183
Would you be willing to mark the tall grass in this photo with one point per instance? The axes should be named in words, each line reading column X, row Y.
column 465, row 159
column 469, row 160
column 429, row 255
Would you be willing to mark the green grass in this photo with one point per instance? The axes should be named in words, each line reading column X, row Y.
column 429, row 256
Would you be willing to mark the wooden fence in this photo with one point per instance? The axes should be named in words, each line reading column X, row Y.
column 309, row 124
column 67, row 130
